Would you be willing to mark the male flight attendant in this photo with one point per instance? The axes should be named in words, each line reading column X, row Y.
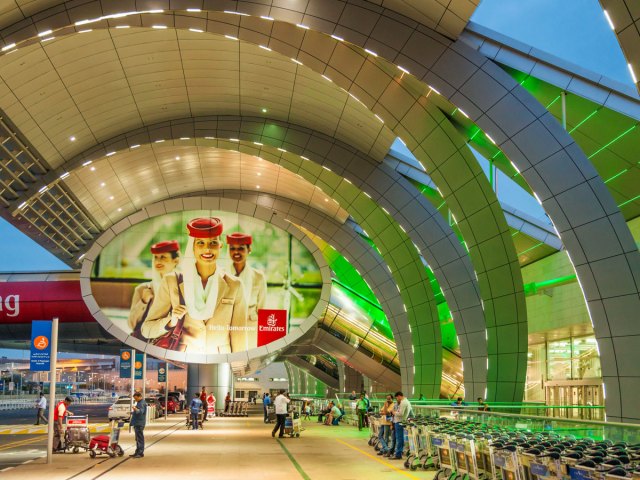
column 209, row 303
column 253, row 280
column 166, row 256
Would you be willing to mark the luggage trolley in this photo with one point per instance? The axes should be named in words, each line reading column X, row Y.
column 539, row 467
column 464, row 449
column 374, row 431
column 77, row 435
column 429, row 459
column 483, row 456
column 446, row 470
column 292, row 425
column 504, row 463
column 108, row 444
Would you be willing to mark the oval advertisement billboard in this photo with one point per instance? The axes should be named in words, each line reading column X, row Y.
column 206, row 282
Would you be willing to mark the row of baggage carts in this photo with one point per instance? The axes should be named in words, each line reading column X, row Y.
column 236, row 409
column 463, row 450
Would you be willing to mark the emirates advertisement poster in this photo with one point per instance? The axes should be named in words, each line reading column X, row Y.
column 206, row 282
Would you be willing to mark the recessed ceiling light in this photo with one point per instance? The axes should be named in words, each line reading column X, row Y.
column 72, row 138
column 119, row 209
column 93, row 169
column 326, row 199
column 111, row 197
column 259, row 174
column 103, row 184
column 177, row 158
column 45, row 33
column 258, row 187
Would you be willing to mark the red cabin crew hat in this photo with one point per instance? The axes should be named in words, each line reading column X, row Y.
column 238, row 238
column 165, row 247
column 205, row 227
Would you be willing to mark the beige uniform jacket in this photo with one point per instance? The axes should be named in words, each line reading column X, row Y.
column 258, row 291
column 225, row 332
column 138, row 307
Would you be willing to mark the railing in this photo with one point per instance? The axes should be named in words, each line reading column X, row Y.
column 29, row 402
column 565, row 426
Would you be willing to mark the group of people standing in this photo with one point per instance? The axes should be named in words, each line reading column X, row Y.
column 391, row 433
column 206, row 309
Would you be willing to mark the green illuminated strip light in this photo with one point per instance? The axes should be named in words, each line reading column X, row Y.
column 474, row 135
column 531, row 248
column 584, row 120
column 613, row 141
column 615, row 176
column 629, row 201
column 515, row 233
column 441, row 205
column 553, row 101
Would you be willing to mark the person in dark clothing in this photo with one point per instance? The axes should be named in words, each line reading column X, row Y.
column 194, row 410
column 138, row 422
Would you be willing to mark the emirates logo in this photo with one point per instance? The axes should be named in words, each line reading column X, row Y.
column 271, row 320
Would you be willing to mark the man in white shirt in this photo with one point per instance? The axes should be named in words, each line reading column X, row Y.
column 41, row 405
column 401, row 412
column 281, row 402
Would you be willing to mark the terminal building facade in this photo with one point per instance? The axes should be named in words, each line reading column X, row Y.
column 371, row 151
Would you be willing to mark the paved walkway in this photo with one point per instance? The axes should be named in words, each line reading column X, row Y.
column 42, row 429
column 230, row 448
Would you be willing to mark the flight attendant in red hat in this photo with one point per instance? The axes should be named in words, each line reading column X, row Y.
column 253, row 281
column 209, row 302
column 166, row 256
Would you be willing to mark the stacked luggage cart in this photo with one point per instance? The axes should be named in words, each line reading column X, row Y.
column 236, row 409
column 465, row 450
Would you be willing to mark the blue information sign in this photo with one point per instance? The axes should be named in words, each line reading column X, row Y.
column 125, row 363
column 539, row 469
column 162, row 373
column 139, row 365
column 40, row 359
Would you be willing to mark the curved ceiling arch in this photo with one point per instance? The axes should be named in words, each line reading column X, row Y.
column 469, row 197
column 257, row 137
column 400, row 255
column 548, row 159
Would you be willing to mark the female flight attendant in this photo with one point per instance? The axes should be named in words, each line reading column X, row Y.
column 204, row 303
column 253, row 280
column 166, row 256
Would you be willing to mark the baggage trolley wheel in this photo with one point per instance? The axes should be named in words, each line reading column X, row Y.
column 297, row 435
column 76, row 449
column 370, row 442
column 119, row 451
column 92, row 453
column 408, row 461
column 110, row 452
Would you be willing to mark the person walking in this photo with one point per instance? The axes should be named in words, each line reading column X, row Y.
column 401, row 413
column 59, row 413
column 138, row 422
column 361, row 410
column 281, row 403
column 194, row 410
column 41, row 405
column 266, row 401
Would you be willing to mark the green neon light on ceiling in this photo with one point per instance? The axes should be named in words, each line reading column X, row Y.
column 615, row 176
column 629, row 201
column 531, row 248
column 585, row 119
column 627, row 131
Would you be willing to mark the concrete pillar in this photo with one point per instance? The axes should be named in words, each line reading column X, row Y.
column 216, row 378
